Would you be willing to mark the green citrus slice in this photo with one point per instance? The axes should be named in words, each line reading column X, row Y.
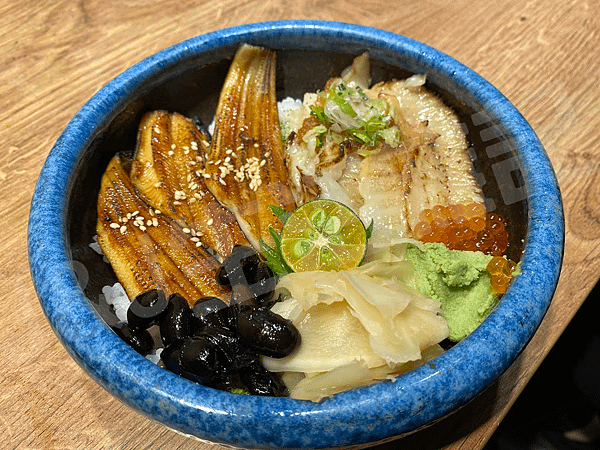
column 323, row 235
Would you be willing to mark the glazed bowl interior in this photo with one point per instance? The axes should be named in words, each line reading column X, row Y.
column 511, row 166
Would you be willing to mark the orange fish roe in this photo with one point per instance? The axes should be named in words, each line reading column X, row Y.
column 501, row 270
column 463, row 227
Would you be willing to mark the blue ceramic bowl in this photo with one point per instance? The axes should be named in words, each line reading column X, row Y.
column 514, row 169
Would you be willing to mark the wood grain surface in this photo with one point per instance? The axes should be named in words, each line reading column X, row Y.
column 55, row 54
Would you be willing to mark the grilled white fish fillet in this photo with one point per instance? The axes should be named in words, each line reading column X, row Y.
column 430, row 165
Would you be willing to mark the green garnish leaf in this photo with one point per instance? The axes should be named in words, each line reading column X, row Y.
column 239, row 391
column 370, row 230
column 280, row 213
column 273, row 257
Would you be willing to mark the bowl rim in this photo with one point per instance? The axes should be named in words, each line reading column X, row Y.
column 363, row 415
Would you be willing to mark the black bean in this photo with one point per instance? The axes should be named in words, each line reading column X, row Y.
column 232, row 353
column 242, row 294
column 259, row 381
column 139, row 339
column 177, row 323
column 210, row 312
column 267, row 333
column 198, row 355
column 239, row 267
column 191, row 358
column 147, row 309
column 263, row 288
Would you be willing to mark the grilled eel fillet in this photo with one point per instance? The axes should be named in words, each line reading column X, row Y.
column 245, row 167
column 148, row 250
column 168, row 171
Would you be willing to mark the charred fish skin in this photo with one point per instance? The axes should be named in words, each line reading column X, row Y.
column 168, row 170
column 146, row 249
column 245, row 167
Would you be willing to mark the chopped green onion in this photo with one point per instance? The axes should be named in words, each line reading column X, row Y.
column 319, row 113
column 368, row 120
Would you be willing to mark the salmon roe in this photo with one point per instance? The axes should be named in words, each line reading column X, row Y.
column 463, row 227
column 501, row 270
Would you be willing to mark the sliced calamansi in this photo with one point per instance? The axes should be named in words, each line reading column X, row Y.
column 323, row 235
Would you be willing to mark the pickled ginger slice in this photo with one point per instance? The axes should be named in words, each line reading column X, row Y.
column 331, row 337
column 357, row 315
column 316, row 386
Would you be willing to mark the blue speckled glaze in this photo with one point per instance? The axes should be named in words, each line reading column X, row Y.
column 360, row 416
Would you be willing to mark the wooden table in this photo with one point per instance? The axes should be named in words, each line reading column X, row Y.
column 542, row 54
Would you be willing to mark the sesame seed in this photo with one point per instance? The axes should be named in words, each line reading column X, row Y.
column 114, row 225
column 173, row 146
column 195, row 239
column 267, row 154
column 123, row 229
column 142, row 227
column 157, row 211
column 192, row 200
column 186, row 230
column 210, row 222
column 149, row 222
column 155, row 221
column 207, row 175
column 198, row 244
column 177, row 203
column 171, row 153
column 222, row 181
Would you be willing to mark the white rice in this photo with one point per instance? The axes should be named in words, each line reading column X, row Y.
column 154, row 356
column 115, row 295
